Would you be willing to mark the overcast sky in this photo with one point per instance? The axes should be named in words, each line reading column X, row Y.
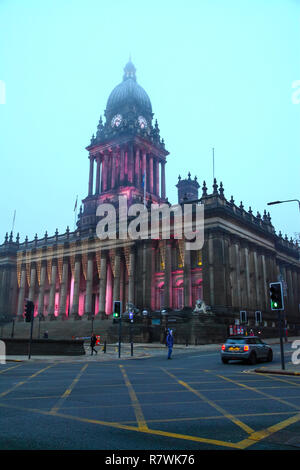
column 219, row 74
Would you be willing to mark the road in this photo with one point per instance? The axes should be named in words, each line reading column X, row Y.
column 193, row 402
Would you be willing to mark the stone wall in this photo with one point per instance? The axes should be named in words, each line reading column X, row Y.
column 43, row 347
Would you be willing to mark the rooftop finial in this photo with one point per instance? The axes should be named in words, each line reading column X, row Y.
column 129, row 71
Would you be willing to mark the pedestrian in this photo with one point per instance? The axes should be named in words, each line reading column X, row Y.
column 93, row 342
column 46, row 335
column 170, row 342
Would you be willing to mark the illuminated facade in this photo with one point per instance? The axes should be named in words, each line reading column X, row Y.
column 76, row 275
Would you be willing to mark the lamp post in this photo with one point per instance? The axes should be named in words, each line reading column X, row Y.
column 280, row 202
column 279, row 316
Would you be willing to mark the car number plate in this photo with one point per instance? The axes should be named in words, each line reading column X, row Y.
column 234, row 349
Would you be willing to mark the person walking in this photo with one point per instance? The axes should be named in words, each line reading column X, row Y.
column 170, row 342
column 93, row 343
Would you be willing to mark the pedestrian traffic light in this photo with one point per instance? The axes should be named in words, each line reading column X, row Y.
column 117, row 309
column 276, row 296
column 29, row 308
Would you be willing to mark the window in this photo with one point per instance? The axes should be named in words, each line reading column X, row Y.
column 258, row 317
column 243, row 316
column 236, row 341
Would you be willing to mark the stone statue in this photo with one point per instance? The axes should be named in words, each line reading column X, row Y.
column 201, row 307
column 131, row 308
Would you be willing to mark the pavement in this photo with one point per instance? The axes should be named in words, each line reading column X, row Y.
column 148, row 350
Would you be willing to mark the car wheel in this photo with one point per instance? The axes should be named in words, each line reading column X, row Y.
column 270, row 356
column 252, row 358
column 225, row 361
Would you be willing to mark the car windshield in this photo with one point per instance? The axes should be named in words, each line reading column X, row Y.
column 235, row 341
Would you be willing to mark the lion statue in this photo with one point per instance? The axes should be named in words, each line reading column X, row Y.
column 201, row 307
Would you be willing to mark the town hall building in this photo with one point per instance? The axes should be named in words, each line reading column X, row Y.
column 76, row 275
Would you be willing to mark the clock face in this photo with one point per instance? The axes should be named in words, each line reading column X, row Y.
column 142, row 122
column 116, row 120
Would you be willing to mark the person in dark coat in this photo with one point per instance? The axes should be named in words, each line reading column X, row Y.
column 93, row 343
column 170, row 342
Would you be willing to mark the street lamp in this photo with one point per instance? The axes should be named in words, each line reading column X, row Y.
column 280, row 202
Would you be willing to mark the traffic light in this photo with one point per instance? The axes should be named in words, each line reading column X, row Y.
column 29, row 308
column 276, row 296
column 117, row 309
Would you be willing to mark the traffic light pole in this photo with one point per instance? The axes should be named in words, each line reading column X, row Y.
column 120, row 334
column 131, row 342
column 30, row 338
column 281, row 339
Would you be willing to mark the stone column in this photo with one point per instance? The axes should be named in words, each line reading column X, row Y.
column 147, row 273
column 144, row 168
column 76, row 289
column 131, row 298
column 64, row 289
column 22, row 292
column 116, row 289
column 205, row 269
column 157, row 177
column 290, row 289
column 104, row 173
column 130, row 164
column 102, row 284
column 163, row 180
column 187, row 278
column 151, row 173
column 122, row 167
column 264, row 283
column 51, row 307
column 168, row 276
column 98, row 175
column 238, row 275
column 31, row 293
column 42, row 288
column 137, row 167
column 113, row 170
column 296, row 294
column 256, row 281
column 91, row 175
column 89, row 285
column 245, row 254
column 211, row 269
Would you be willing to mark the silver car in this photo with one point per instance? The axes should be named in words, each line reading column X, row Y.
column 246, row 348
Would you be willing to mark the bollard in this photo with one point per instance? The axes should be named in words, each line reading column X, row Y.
column 104, row 347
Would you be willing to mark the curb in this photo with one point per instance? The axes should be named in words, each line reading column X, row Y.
column 281, row 372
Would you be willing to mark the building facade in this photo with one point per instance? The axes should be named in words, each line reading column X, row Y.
column 77, row 275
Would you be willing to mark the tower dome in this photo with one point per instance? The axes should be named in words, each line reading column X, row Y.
column 128, row 93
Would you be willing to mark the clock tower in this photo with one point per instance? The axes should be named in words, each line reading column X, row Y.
column 127, row 156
